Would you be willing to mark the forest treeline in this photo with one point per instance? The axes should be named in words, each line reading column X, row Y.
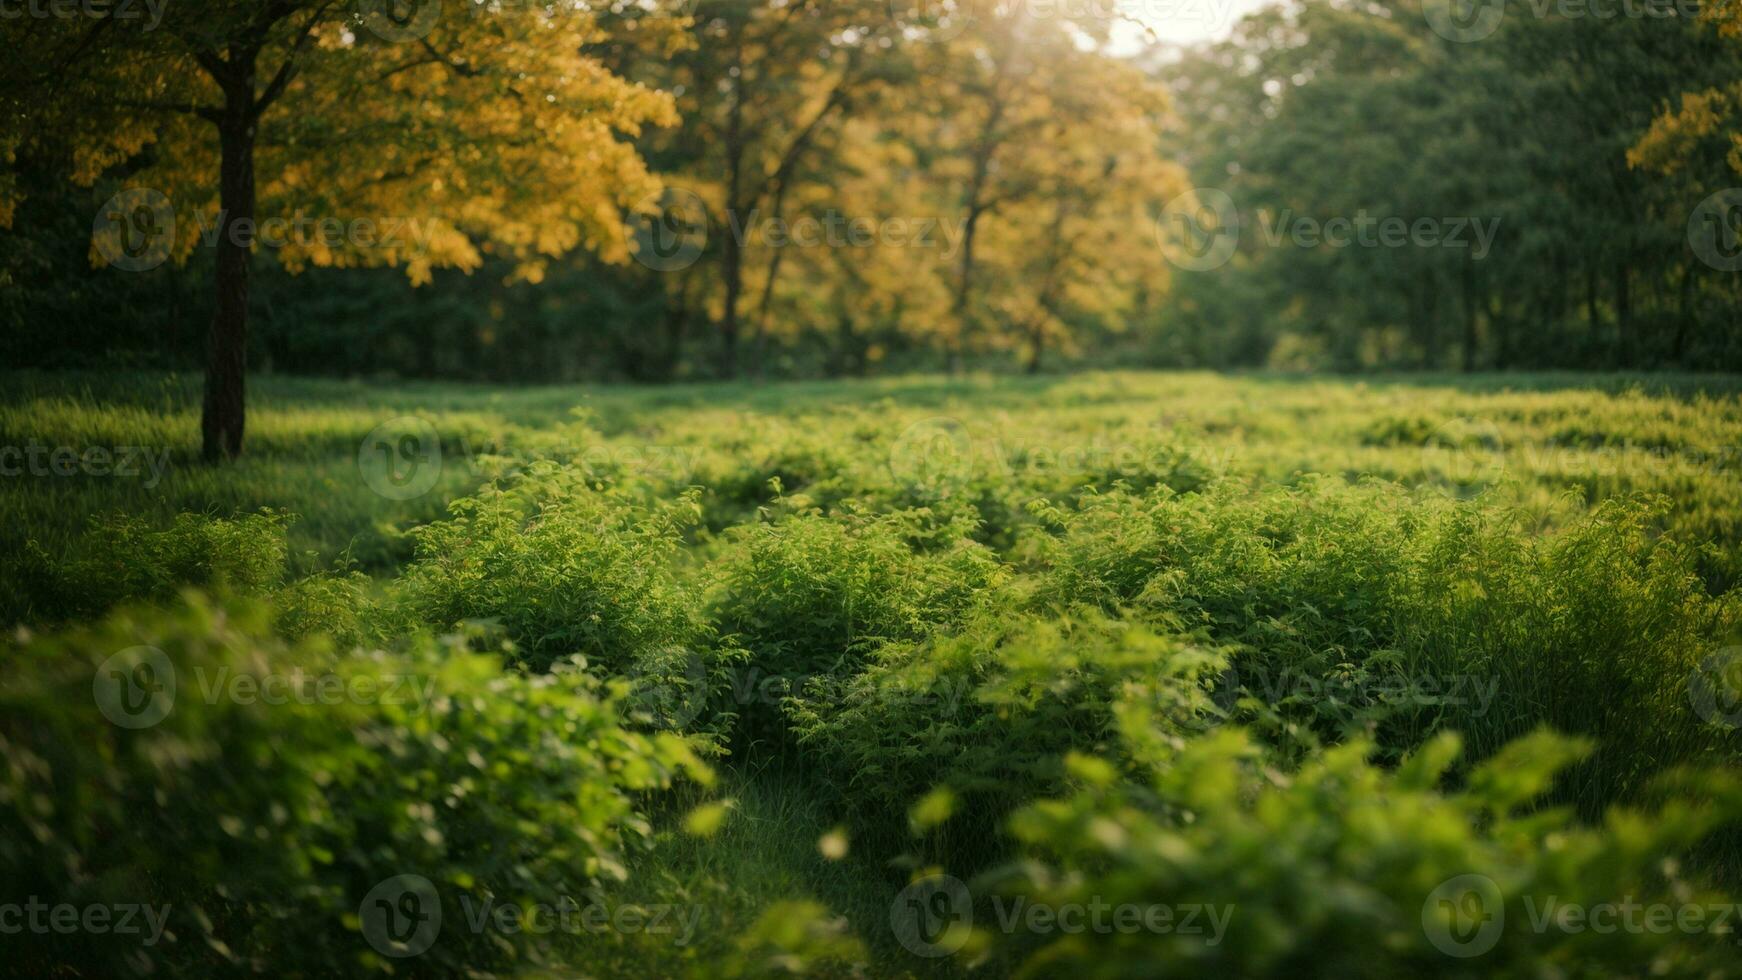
column 861, row 186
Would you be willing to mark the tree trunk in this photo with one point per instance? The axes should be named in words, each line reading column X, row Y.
column 1623, row 316
column 222, row 422
column 732, row 250
column 1469, row 318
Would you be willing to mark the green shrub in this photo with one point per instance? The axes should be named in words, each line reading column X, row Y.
column 1594, row 630
column 812, row 595
column 990, row 713
column 563, row 568
column 121, row 558
column 1338, row 870
column 262, row 815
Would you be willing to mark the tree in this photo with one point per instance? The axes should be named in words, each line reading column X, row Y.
column 470, row 130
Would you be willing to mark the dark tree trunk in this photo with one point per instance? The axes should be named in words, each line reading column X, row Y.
column 1624, row 316
column 223, row 420
column 1036, row 349
column 1469, row 318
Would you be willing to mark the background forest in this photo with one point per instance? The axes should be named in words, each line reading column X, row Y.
column 860, row 187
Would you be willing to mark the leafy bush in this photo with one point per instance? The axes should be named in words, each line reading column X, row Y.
column 1594, row 630
column 562, row 567
column 991, row 712
column 122, row 558
column 1337, row 870
column 812, row 595
column 285, row 783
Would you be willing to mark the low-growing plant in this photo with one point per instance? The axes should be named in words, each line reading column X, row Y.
column 563, row 568
column 1345, row 869
column 121, row 558
column 268, row 797
column 812, row 595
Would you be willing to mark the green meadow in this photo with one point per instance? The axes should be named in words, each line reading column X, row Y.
column 890, row 677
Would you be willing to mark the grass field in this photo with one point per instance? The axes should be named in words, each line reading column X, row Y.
column 861, row 660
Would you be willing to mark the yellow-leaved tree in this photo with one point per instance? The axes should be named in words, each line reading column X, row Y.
column 376, row 134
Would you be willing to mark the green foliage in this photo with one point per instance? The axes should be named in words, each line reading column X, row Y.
column 1333, row 870
column 1442, row 612
column 122, row 557
column 562, row 567
column 262, row 815
column 992, row 711
column 812, row 595
column 898, row 613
